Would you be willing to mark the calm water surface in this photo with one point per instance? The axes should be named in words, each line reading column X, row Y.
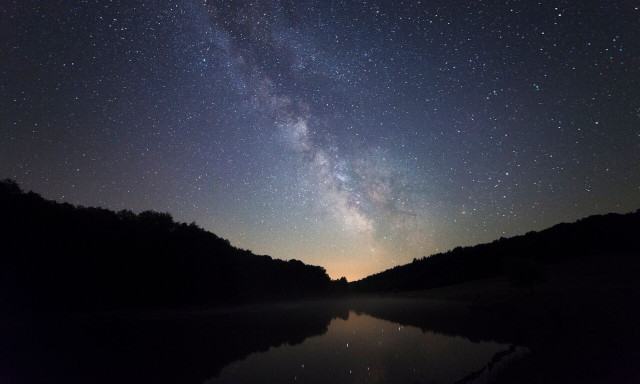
column 364, row 349
column 338, row 341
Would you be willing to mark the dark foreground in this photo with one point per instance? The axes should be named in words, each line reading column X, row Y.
column 577, row 326
column 580, row 324
column 382, row 340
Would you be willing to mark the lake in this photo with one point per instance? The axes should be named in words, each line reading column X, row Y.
column 364, row 349
column 336, row 341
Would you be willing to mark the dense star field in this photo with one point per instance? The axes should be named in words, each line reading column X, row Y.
column 352, row 135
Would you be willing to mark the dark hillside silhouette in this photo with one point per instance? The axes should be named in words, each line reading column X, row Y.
column 522, row 258
column 62, row 257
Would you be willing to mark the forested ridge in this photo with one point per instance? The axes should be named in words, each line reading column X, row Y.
column 58, row 257
column 522, row 258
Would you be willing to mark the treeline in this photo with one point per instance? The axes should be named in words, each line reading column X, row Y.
column 59, row 257
column 522, row 258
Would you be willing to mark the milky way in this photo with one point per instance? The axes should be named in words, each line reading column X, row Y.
column 352, row 135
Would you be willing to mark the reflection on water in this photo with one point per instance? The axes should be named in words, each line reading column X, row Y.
column 363, row 349
column 375, row 341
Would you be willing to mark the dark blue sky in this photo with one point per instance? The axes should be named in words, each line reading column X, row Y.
column 352, row 135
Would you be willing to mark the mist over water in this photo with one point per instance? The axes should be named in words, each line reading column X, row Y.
column 332, row 341
column 365, row 349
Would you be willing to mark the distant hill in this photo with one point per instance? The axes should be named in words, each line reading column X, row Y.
column 522, row 258
column 59, row 257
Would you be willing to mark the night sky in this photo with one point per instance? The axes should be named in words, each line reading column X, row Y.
column 352, row 135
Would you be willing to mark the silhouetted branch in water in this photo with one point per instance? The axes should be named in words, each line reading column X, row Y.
column 487, row 368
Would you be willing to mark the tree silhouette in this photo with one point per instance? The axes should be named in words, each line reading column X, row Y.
column 522, row 258
column 61, row 257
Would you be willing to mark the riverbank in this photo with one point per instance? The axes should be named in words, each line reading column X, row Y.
column 580, row 323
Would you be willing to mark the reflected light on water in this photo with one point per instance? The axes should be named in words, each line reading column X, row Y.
column 364, row 349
